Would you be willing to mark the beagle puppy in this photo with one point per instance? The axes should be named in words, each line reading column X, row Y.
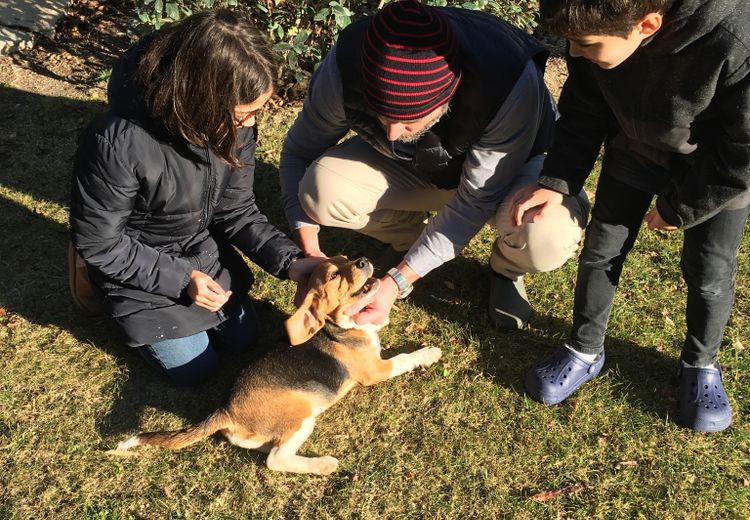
column 274, row 402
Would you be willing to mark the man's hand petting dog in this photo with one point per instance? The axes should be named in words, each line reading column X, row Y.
column 377, row 309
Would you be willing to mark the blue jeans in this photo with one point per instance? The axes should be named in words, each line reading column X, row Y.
column 709, row 265
column 191, row 360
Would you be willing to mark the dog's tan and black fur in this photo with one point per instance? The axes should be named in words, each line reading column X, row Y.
column 274, row 402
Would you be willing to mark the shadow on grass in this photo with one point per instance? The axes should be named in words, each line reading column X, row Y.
column 36, row 150
column 144, row 388
column 648, row 377
column 37, row 290
column 458, row 292
column 38, row 141
column 36, row 159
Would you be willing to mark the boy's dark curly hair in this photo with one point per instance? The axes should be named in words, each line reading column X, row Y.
column 576, row 18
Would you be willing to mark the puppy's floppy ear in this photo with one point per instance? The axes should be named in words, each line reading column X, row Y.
column 306, row 321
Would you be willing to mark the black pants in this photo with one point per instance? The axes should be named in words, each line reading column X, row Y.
column 709, row 264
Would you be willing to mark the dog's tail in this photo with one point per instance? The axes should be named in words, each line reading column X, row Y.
column 180, row 438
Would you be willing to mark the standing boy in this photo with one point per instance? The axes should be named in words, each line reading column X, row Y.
column 664, row 85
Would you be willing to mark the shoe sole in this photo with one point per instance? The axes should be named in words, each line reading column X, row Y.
column 708, row 426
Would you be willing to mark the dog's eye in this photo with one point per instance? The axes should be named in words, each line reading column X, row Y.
column 333, row 275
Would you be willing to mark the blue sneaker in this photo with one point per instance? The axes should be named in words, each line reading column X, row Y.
column 704, row 406
column 555, row 378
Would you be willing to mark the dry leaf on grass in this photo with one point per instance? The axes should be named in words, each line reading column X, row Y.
column 415, row 327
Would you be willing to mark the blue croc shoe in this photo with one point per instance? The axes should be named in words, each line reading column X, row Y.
column 555, row 378
column 703, row 403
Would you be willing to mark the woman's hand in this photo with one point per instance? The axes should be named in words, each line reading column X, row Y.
column 206, row 292
column 299, row 271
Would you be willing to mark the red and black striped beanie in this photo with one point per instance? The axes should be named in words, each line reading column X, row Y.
column 409, row 61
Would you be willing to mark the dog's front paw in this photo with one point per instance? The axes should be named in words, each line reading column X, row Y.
column 429, row 355
column 326, row 465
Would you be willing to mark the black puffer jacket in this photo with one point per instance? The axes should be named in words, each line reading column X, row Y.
column 148, row 208
column 680, row 105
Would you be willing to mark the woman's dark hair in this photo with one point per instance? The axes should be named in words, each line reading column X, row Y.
column 576, row 18
column 196, row 71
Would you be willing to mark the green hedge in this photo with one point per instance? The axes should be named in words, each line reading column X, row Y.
column 302, row 32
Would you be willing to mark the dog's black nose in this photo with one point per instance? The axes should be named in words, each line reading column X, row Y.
column 361, row 262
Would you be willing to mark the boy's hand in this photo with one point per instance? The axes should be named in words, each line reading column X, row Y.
column 531, row 202
column 654, row 221
column 206, row 292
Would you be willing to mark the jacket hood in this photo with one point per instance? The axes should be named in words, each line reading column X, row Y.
column 125, row 96
column 688, row 21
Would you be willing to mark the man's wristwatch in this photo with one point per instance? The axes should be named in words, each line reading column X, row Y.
column 404, row 287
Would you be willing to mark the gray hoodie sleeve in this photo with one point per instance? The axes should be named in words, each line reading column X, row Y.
column 320, row 125
column 488, row 172
column 490, row 168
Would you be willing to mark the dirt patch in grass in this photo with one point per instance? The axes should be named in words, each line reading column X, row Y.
column 75, row 61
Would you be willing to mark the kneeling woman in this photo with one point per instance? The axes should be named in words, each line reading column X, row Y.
column 163, row 190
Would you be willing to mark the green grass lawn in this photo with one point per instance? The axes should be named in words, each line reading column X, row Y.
column 457, row 440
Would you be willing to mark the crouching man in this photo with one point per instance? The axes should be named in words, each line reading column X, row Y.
column 451, row 115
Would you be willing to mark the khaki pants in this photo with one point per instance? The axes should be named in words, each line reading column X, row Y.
column 352, row 186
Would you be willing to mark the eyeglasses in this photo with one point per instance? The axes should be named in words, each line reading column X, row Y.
column 244, row 118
